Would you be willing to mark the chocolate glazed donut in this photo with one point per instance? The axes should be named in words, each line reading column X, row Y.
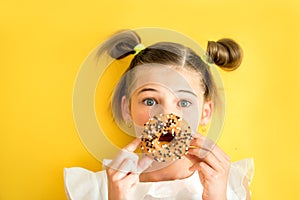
column 166, row 137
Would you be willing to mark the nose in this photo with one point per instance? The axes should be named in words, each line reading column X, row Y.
column 165, row 108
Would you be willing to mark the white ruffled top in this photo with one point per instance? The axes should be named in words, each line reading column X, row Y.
column 82, row 184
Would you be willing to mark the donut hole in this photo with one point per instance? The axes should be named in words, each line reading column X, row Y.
column 168, row 137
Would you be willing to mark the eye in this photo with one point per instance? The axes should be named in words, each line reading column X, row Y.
column 149, row 102
column 184, row 103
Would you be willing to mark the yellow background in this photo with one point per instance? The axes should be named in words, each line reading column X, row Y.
column 43, row 43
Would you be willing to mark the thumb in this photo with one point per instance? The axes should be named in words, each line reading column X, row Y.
column 144, row 163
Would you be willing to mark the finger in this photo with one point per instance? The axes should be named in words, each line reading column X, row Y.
column 216, row 150
column 202, row 152
column 126, row 152
column 210, row 159
column 144, row 163
column 202, row 177
column 202, row 142
column 127, row 167
column 197, row 140
column 122, row 155
column 200, row 136
column 220, row 154
column 217, row 159
column 192, row 158
column 131, row 180
column 198, row 152
column 195, row 166
column 207, row 171
column 131, row 147
column 207, row 144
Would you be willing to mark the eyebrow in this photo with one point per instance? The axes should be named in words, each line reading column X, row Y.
column 154, row 90
column 147, row 89
column 188, row 91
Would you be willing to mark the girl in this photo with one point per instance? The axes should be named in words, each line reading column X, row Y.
column 166, row 78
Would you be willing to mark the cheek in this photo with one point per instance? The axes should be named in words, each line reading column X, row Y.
column 193, row 116
column 139, row 114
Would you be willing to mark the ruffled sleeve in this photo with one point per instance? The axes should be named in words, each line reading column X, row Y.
column 84, row 184
column 239, row 171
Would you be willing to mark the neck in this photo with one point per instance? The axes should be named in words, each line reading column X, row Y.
column 178, row 169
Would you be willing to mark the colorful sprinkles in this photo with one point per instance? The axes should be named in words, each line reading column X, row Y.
column 166, row 137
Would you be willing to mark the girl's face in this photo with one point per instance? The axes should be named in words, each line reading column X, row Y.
column 168, row 90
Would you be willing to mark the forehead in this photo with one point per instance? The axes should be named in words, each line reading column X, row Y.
column 173, row 78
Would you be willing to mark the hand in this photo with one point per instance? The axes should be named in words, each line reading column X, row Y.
column 123, row 172
column 213, row 166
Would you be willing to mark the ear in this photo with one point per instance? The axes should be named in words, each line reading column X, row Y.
column 125, row 110
column 207, row 111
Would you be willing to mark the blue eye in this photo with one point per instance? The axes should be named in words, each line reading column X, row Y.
column 149, row 102
column 184, row 103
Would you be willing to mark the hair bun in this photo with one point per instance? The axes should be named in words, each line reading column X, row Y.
column 121, row 44
column 225, row 53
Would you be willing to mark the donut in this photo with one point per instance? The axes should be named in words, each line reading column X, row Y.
column 166, row 137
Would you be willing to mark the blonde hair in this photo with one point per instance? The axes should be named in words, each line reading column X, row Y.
column 225, row 53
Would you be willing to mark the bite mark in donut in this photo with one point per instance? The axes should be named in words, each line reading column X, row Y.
column 166, row 137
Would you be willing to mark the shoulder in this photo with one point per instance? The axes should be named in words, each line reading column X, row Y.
column 81, row 183
column 240, row 177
